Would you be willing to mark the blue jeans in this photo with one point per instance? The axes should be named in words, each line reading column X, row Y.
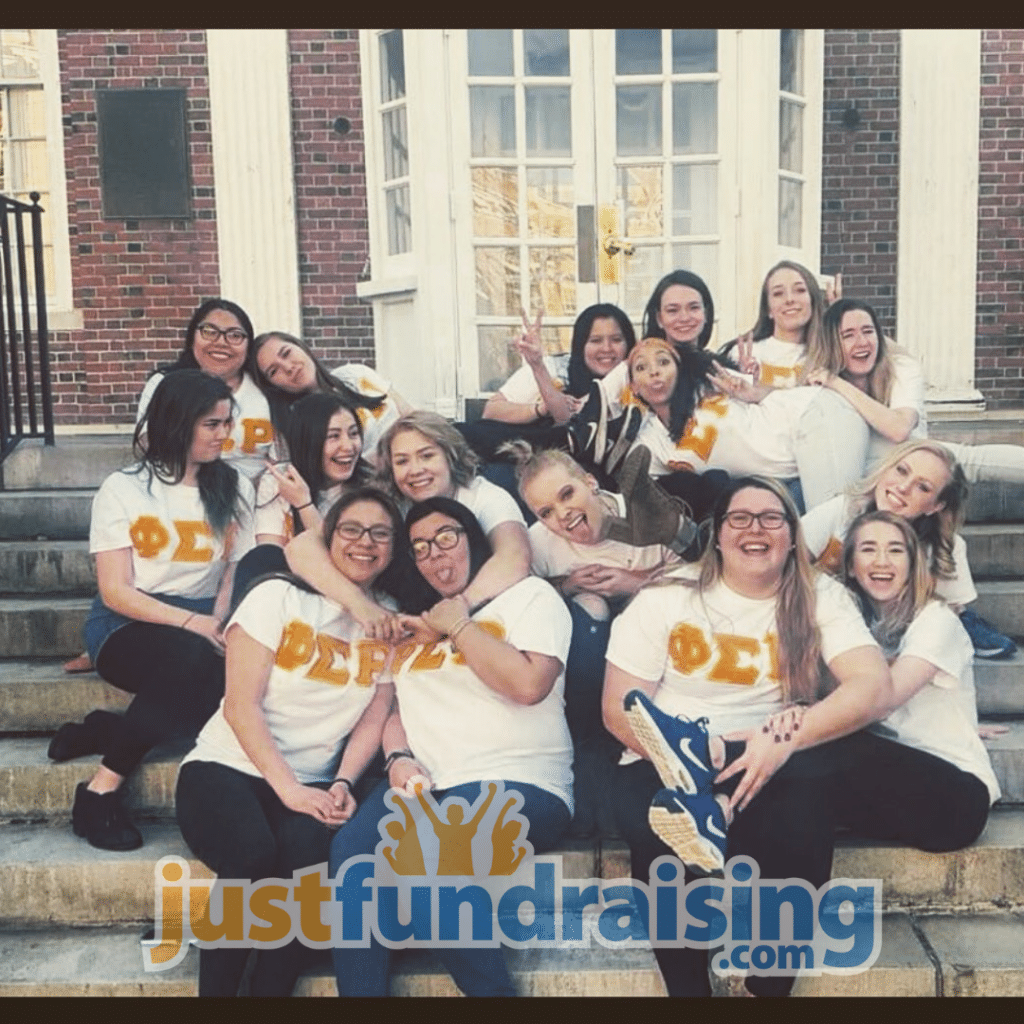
column 477, row 972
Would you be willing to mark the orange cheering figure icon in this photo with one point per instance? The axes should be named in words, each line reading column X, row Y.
column 455, row 835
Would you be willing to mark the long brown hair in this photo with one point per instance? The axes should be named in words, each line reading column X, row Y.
column 890, row 623
column 800, row 664
column 936, row 531
column 831, row 358
column 765, row 326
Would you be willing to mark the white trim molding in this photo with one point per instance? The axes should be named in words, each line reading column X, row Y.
column 940, row 91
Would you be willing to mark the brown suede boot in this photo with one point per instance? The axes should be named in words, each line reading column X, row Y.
column 652, row 516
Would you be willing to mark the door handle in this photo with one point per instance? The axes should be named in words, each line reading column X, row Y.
column 614, row 244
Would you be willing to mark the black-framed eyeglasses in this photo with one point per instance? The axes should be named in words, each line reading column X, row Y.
column 353, row 531
column 234, row 335
column 446, row 538
column 769, row 520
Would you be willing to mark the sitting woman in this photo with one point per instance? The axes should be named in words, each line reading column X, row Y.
column 691, row 427
column 272, row 774
column 885, row 384
column 727, row 647
column 921, row 775
column 286, row 369
column 166, row 534
column 424, row 456
column 484, row 702
column 921, row 482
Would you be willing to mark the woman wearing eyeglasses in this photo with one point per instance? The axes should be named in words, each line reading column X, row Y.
column 479, row 698
column 424, row 456
column 272, row 774
column 727, row 647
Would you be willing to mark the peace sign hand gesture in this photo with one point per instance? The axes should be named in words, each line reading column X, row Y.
column 528, row 344
column 745, row 357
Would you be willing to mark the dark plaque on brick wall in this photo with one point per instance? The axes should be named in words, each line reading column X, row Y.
column 143, row 153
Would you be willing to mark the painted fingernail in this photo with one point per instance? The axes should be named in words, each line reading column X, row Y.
column 777, row 739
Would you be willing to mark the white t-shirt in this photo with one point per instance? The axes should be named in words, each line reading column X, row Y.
column 780, row 361
column 739, row 437
column 552, row 556
column 375, row 422
column 522, row 387
column 252, row 436
column 492, row 505
column 324, row 674
column 942, row 717
column 716, row 654
column 274, row 514
column 174, row 550
column 462, row 730
column 825, row 527
column 908, row 390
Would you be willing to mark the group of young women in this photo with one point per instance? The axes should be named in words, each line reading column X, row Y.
column 376, row 613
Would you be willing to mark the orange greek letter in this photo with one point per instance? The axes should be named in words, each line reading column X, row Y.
column 149, row 536
column 256, row 432
column 728, row 669
column 296, row 646
column 687, row 648
column 429, row 658
column 403, row 652
column 373, row 656
column 496, row 629
column 188, row 531
column 324, row 669
column 772, row 643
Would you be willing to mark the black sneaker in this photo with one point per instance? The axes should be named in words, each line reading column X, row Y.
column 588, row 429
column 100, row 819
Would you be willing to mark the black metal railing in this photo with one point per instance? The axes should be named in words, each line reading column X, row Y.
column 26, row 401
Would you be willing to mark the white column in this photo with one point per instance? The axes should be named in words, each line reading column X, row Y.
column 250, row 127
column 940, row 88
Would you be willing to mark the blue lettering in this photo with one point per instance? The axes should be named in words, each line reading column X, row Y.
column 763, row 958
column 796, row 954
column 802, row 902
column 864, row 929
column 352, row 894
column 698, row 897
column 390, row 928
column 742, row 965
column 574, row 902
column 449, row 901
column 634, row 909
column 542, row 896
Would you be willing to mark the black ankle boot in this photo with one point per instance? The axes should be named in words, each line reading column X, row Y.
column 100, row 819
column 78, row 740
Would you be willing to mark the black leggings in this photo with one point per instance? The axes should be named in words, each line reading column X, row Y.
column 888, row 790
column 178, row 681
column 787, row 829
column 238, row 827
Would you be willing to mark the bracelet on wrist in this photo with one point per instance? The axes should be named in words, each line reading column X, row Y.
column 188, row 620
column 341, row 778
column 299, row 508
column 394, row 756
column 459, row 627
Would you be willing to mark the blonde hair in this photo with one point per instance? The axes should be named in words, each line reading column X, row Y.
column 889, row 624
column 462, row 460
column 528, row 462
column 937, row 531
column 799, row 640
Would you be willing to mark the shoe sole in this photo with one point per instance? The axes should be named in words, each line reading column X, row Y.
column 670, row 769
column 679, row 832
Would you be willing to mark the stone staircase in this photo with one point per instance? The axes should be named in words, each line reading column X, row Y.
column 71, row 917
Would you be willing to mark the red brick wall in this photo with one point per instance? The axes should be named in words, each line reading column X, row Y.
column 860, row 165
column 999, row 352
column 330, row 192
column 136, row 282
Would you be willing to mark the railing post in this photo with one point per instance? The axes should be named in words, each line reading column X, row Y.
column 42, row 324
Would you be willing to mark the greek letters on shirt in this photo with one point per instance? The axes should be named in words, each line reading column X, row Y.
column 723, row 657
column 439, row 654
column 700, row 435
column 780, row 376
column 254, row 432
column 326, row 657
column 150, row 537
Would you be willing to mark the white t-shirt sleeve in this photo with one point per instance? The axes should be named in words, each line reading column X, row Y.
column 937, row 637
column 823, row 522
column 639, row 638
column 110, row 527
column 492, row 505
column 960, row 589
column 245, row 537
column 522, row 386
column 271, row 509
column 908, row 387
column 362, row 378
column 147, row 394
column 840, row 624
column 262, row 613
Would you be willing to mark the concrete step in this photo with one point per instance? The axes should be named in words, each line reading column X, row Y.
column 995, row 503
column 50, row 876
column 61, row 567
column 1002, row 603
column 1000, row 685
column 34, row 787
column 108, row 962
column 34, row 627
column 59, row 515
column 995, row 550
column 1001, row 426
column 75, row 461
column 38, row 696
